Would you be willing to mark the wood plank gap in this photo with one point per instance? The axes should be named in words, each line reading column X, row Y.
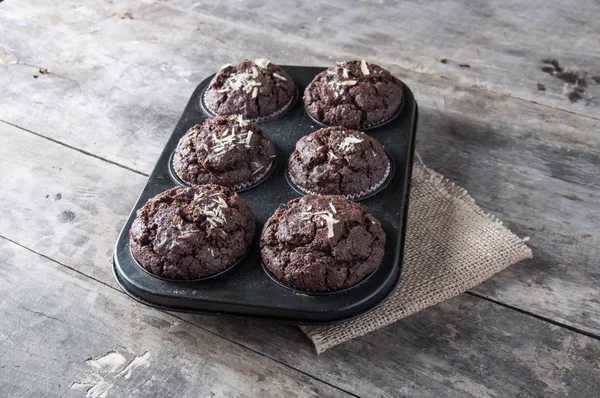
column 542, row 318
column 76, row 149
column 185, row 320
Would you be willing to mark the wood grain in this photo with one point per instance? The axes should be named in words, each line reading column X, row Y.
column 130, row 78
column 76, row 337
column 102, row 342
column 110, row 80
column 398, row 350
column 507, row 47
column 461, row 348
column 532, row 166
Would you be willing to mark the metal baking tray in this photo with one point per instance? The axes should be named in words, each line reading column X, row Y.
column 246, row 289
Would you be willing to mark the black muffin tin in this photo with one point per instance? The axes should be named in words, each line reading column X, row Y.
column 247, row 289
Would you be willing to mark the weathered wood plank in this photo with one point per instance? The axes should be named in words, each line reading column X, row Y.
column 501, row 47
column 63, row 334
column 388, row 347
column 129, row 78
column 464, row 347
column 62, row 203
column 461, row 348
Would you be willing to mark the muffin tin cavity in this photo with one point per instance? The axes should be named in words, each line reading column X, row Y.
column 374, row 190
column 238, row 188
column 275, row 115
column 372, row 128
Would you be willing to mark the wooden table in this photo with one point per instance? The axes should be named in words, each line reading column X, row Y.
column 509, row 95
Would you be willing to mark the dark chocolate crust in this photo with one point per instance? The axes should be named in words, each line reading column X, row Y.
column 250, row 89
column 338, row 161
column 225, row 150
column 344, row 95
column 322, row 243
column 191, row 232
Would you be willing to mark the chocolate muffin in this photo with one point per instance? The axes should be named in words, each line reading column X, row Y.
column 353, row 94
column 336, row 160
column 254, row 89
column 322, row 243
column 191, row 232
column 225, row 150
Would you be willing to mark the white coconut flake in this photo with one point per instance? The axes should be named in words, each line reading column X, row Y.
column 364, row 68
column 332, row 208
column 257, row 170
column 254, row 92
column 223, row 203
column 332, row 155
column 353, row 140
column 242, row 81
column 328, row 217
column 349, row 144
column 262, row 62
column 277, row 75
column 348, row 82
column 241, row 121
column 345, row 73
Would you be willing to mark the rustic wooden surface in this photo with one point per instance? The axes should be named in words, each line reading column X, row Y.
column 91, row 91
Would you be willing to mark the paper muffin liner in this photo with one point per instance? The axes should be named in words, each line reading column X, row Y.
column 251, row 184
column 238, row 187
column 303, row 291
column 354, row 197
column 224, row 270
column 271, row 116
column 364, row 127
column 386, row 120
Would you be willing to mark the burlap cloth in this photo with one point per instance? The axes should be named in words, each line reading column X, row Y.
column 451, row 246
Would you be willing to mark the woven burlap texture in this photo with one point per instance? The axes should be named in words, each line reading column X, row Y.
column 451, row 246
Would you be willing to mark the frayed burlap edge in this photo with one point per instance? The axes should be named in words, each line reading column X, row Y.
column 451, row 246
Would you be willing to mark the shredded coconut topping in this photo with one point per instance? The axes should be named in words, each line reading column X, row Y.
column 348, row 144
column 241, row 121
column 229, row 139
column 213, row 209
column 277, row 75
column 327, row 216
column 338, row 86
column 364, row 68
column 332, row 155
column 242, row 81
column 262, row 62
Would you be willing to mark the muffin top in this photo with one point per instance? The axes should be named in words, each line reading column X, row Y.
column 337, row 160
column 322, row 243
column 254, row 89
column 225, row 150
column 353, row 94
column 191, row 232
